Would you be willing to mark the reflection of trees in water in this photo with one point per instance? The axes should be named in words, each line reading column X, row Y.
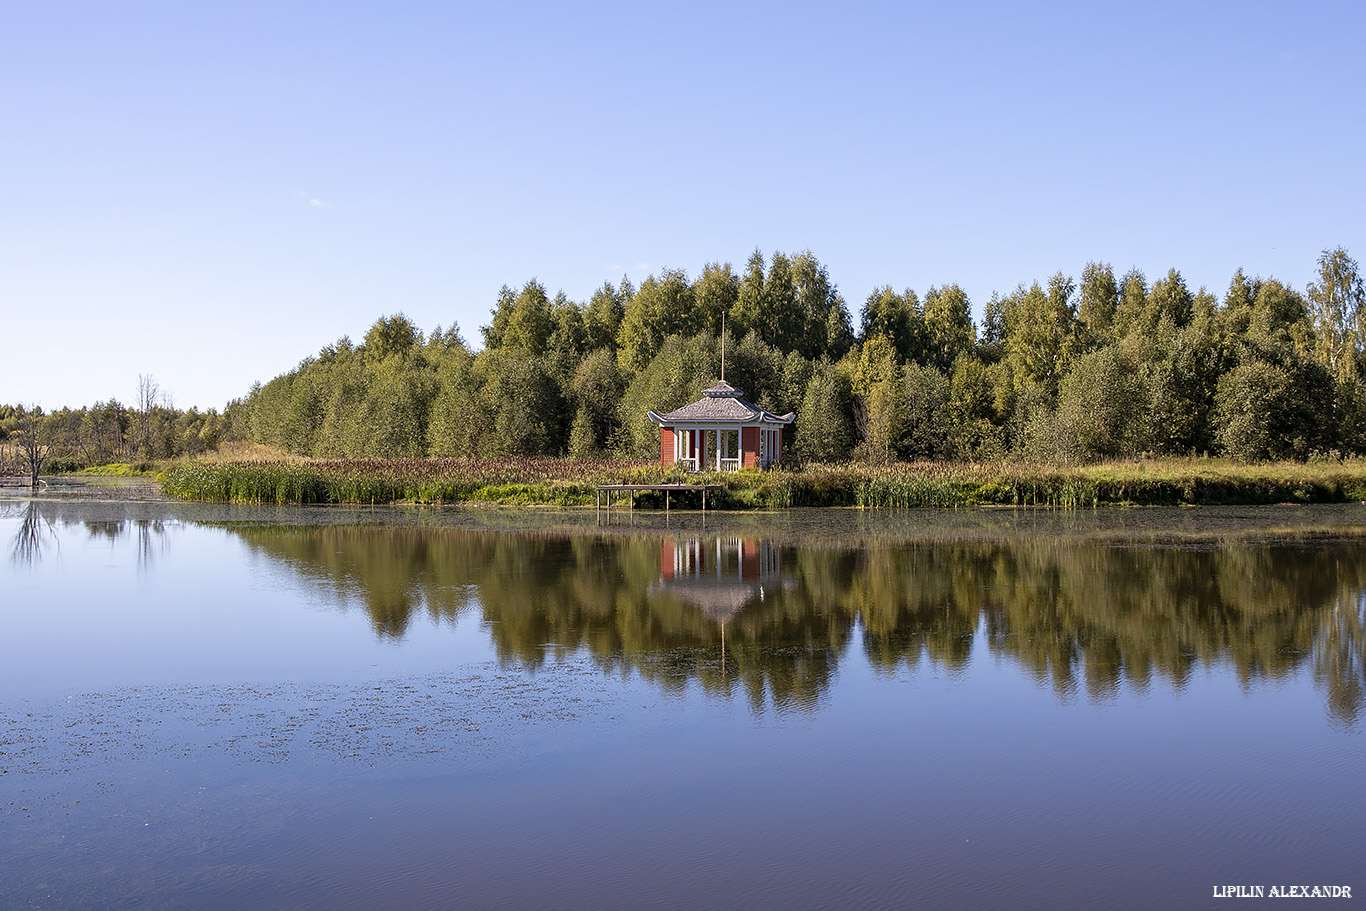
column 39, row 518
column 396, row 572
column 34, row 532
column 1076, row 616
column 545, row 595
column 1340, row 654
column 149, row 535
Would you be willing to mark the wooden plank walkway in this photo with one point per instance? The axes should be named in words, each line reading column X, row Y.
column 609, row 489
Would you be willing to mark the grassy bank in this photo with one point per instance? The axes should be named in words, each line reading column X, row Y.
column 512, row 482
column 560, row 482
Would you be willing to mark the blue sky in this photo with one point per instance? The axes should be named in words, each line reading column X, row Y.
column 209, row 192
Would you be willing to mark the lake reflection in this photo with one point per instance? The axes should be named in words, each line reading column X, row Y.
column 229, row 707
column 748, row 615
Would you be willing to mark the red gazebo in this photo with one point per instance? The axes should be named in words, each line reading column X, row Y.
column 721, row 431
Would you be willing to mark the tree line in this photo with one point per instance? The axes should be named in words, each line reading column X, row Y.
column 66, row 439
column 1061, row 371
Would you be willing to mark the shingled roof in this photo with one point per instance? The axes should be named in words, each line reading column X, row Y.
column 722, row 403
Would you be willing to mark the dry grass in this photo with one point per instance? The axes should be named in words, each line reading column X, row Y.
column 232, row 451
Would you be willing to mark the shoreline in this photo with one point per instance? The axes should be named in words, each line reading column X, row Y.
column 562, row 483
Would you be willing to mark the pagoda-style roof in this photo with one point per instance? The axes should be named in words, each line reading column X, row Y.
column 718, row 599
column 722, row 403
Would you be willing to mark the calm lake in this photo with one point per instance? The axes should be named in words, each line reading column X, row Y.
column 227, row 707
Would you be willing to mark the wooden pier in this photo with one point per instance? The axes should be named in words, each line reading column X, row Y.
column 631, row 489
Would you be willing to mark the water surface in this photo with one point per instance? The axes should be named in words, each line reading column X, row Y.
column 224, row 707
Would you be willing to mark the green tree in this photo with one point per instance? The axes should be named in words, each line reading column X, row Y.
column 826, row 331
column 1133, row 303
column 661, row 308
column 606, row 308
column 1097, row 304
column 825, row 425
column 583, row 442
column 347, row 391
column 597, row 389
column 524, row 402
column 879, row 418
column 1103, row 399
column 839, row 331
column 784, row 323
column 991, row 344
column 896, row 318
column 876, row 363
column 673, row 378
column 715, row 293
column 1273, row 410
column 923, row 426
column 391, row 336
column 756, row 367
column 791, row 388
column 1280, row 319
column 750, row 309
column 1339, row 317
column 1239, row 300
column 530, row 323
column 1182, row 372
column 396, row 411
column 974, row 425
column 949, row 330
column 458, row 415
column 502, row 314
column 568, row 342
column 771, row 304
column 1169, row 299
column 1039, row 329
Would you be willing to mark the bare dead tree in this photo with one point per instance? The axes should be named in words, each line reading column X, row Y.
column 149, row 398
column 33, row 445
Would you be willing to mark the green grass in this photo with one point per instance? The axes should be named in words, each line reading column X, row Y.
column 117, row 470
column 559, row 482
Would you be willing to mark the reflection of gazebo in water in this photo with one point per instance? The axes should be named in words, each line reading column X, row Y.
column 721, row 431
column 721, row 577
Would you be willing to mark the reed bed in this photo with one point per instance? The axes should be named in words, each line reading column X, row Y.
column 924, row 485
column 547, row 481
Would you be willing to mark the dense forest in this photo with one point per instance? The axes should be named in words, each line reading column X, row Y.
column 1060, row 372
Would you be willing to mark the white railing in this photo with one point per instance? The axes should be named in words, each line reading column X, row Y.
column 730, row 464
